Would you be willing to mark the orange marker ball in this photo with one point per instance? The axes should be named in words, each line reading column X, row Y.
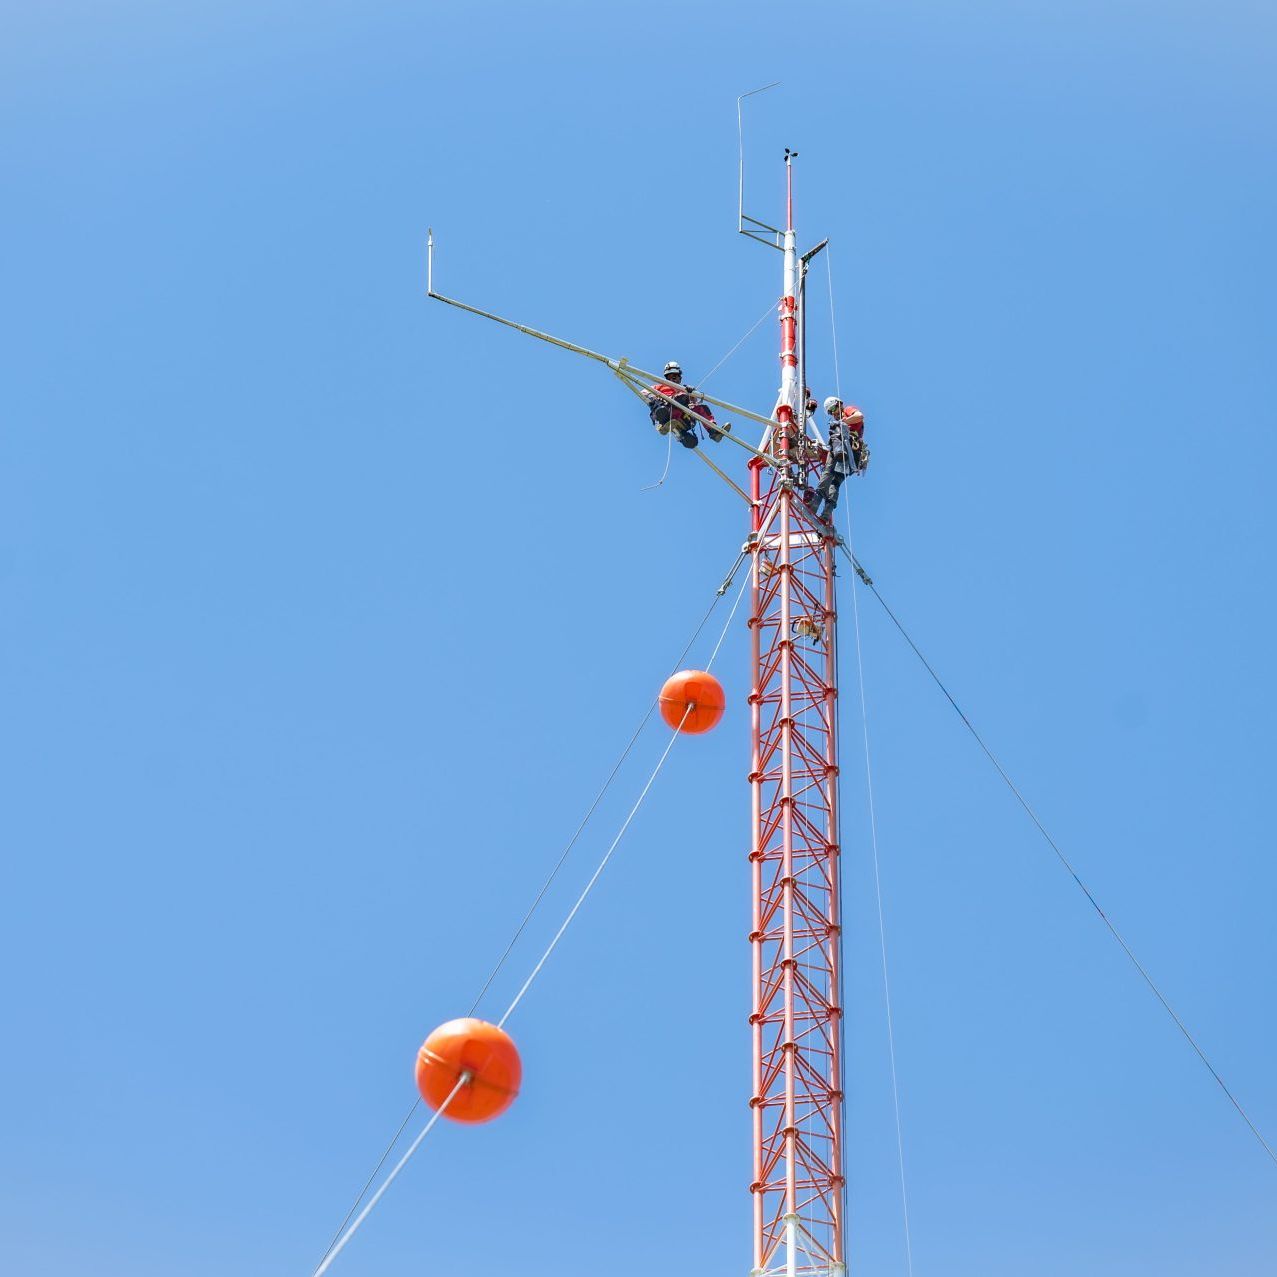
column 696, row 689
column 476, row 1047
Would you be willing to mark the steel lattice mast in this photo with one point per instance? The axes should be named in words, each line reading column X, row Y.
column 798, row 1184
column 796, row 940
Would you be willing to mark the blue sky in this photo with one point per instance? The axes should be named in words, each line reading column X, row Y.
column 323, row 620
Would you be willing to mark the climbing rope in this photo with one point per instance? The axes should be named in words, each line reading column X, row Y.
column 669, row 452
column 833, row 325
column 639, row 392
column 1063, row 859
column 341, row 1235
column 882, row 925
column 873, row 821
column 629, row 378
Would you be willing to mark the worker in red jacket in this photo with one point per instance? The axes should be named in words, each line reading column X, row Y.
column 664, row 401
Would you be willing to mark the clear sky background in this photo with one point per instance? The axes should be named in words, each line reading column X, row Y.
column 324, row 616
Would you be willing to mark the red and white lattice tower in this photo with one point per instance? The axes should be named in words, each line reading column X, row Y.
column 796, row 940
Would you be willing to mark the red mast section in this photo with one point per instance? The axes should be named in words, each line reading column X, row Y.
column 798, row 1186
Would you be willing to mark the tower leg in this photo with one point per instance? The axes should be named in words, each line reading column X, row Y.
column 796, row 940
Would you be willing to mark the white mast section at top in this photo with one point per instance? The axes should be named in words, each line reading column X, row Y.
column 787, row 403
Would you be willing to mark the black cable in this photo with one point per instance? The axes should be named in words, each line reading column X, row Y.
column 1086, row 891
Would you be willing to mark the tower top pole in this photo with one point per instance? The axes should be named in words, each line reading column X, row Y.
column 790, row 156
column 787, row 402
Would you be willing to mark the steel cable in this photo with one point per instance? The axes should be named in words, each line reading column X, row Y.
column 1064, row 860
column 771, row 306
column 340, row 1245
column 546, row 885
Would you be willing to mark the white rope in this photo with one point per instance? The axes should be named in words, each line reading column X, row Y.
column 669, row 452
column 873, row 820
column 833, row 326
column 771, row 306
column 390, row 1179
column 594, row 877
column 882, row 926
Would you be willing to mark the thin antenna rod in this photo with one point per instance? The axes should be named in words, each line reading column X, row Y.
column 740, row 143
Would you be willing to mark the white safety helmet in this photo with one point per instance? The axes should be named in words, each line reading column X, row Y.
column 673, row 369
column 833, row 405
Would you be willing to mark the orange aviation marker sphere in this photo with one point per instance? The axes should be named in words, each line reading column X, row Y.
column 480, row 1049
column 695, row 688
